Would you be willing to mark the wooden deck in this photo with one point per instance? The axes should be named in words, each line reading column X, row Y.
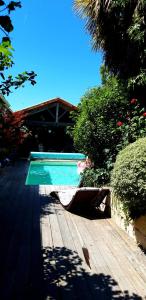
column 42, row 249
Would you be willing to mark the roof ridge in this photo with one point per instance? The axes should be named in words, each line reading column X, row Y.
column 58, row 99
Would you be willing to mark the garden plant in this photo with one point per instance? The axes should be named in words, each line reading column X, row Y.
column 129, row 178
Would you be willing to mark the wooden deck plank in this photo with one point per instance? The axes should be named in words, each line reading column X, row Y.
column 123, row 259
column 64, row 253
column 115, row 258
column 51, row 286
column 127, row 248
column 74, row 266
column 17, row 279
column 8, row 224
column 22, row 280
column 93, row 276
column 98, row 263
column 60, row 257
column 17, row 272
column 92, row 279
column 134, row 254
column 116, row 264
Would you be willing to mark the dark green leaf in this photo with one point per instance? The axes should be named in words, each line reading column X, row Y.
column 2, row 75
column 2, row 2
column 6, row 23
column 33, row 82
column 6, row 39
column 13, row 4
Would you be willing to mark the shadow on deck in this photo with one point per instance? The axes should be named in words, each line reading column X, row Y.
column 65, row 281
column 48, row 261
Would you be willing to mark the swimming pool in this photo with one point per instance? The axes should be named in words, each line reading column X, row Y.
column 51, row 168
column 53, row 173
column 57, row 156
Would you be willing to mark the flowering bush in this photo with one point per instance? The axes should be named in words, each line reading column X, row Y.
column 106, row 122
column 12, row 131
column 127, row 126
column 133, row 101
column 119, row 123
column 132, row 124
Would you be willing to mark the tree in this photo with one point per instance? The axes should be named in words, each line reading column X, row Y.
column 12, row 130
column 95, row 131
column 6, row 51
column 118, row 28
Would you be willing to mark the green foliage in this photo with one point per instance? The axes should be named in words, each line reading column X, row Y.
column 133, row 124
column 118, row 28
column 5, row 20
column 105, row 123
column 138, row 81
column 6, row 51
column 129, row 178
column 95, row 132
column 94, row 177
column 6, row 23
column 16, row 82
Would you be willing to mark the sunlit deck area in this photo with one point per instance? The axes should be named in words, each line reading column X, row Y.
column 49, row 253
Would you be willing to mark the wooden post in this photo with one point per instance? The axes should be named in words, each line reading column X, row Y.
column 57, row 112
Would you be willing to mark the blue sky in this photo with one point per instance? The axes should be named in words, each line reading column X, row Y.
column 50, row 39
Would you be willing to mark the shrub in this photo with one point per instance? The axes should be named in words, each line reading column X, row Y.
column 94, row 177
column 132, row 124
column 95, row 132
column 129, row 178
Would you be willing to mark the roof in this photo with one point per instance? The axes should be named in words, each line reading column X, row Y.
column 46, row 103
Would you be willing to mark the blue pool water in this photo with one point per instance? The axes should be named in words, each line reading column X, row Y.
column 53, row 173
column 57, row 156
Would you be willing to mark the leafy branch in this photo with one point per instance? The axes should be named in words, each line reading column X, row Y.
column 6, row 51
column 9, row 83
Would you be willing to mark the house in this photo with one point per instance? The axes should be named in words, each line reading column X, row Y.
column 47, row 122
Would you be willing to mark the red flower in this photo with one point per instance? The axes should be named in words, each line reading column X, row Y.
column 119, row 123
column 144, row 114
column 133, row 101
